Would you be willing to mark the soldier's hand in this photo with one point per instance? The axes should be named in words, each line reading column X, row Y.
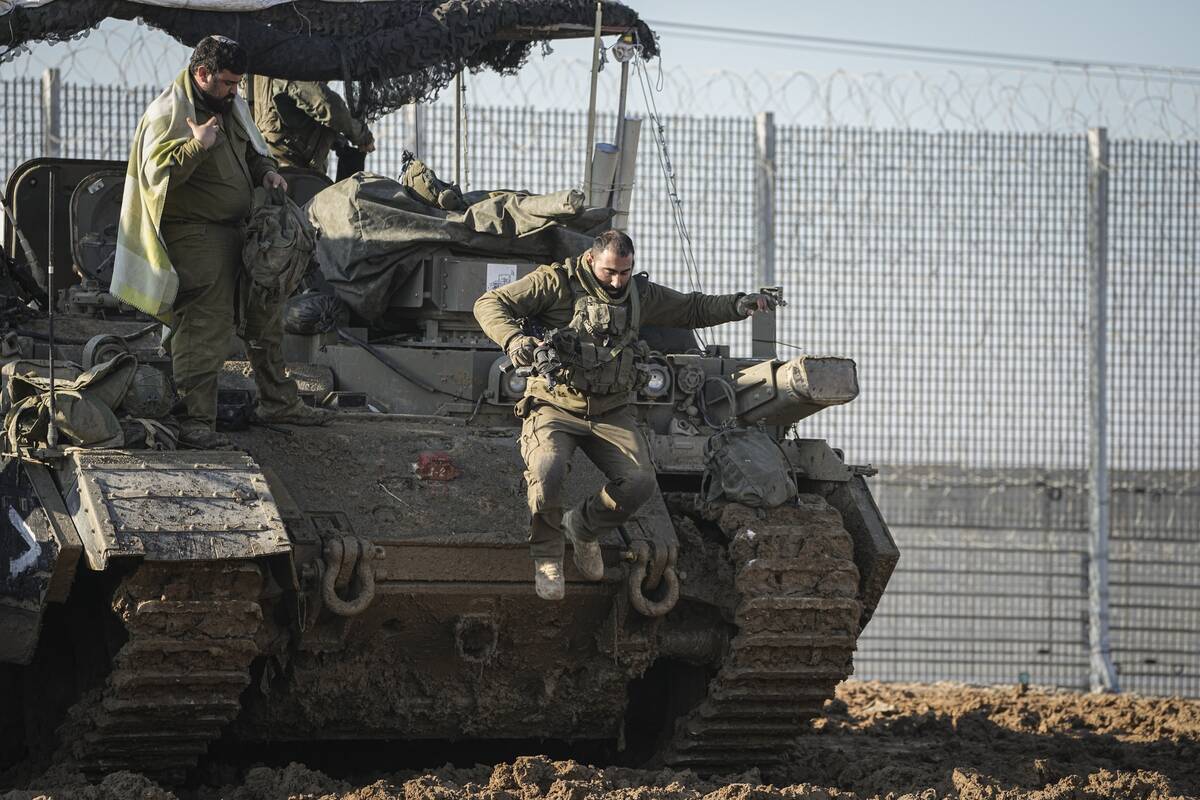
column 750, row 304
column 521, row 350
column 273, row 180
column 206, row 134
column 367, row 147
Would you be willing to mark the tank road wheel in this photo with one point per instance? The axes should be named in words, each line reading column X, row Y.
column 178, row 679
column 797, row 620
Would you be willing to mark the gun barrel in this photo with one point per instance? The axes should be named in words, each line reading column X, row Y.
column 802, row 387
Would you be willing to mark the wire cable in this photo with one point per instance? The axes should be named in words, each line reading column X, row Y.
column 922, row 52
column 382, row 358
column 678, row 219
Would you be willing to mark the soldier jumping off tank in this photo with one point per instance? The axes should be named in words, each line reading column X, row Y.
column 596, row 303
column 195, row 161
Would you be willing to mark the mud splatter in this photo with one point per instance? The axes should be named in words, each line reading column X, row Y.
column 886, row 741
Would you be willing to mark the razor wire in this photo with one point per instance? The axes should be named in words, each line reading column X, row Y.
column 1148, row 104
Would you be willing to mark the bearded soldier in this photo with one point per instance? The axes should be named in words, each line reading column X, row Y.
column 195, row 161
column 595, row 302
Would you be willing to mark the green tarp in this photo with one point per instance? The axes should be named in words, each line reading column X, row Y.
column 374, row 232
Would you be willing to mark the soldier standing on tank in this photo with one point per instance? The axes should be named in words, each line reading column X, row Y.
column 600, row 304
column 301, row 121
column 208, row 199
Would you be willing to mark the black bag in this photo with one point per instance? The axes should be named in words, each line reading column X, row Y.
column 745, row 465
column 307, row 314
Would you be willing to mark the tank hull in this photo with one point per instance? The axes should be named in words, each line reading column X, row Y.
column 371, row 580
column 445, row 640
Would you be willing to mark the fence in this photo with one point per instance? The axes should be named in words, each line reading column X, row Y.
column 954, row 267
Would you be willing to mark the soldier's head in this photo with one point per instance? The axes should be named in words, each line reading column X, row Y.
column 217, row 64
column 612, row 260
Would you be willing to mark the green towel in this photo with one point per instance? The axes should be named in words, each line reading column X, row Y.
column 142, row 272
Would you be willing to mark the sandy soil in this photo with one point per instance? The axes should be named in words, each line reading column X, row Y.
column 878, row 741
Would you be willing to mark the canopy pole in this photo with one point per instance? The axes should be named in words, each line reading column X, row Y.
column 591, row 124
column 458, row 125
column 623, row 51
column 52, row 427
column 619, row 138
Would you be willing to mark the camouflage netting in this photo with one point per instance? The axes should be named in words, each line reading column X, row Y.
column 393, row 52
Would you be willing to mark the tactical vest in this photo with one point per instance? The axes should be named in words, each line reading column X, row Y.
column 600, row 347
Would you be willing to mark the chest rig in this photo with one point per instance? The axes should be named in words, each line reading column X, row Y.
column 599, row 348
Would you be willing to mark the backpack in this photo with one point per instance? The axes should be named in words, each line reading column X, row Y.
column 279, row 245
column 745, row 465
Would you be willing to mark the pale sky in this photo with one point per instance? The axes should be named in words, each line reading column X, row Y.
column 1153, row 31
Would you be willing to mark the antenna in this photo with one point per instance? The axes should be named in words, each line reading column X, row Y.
column 52, row 429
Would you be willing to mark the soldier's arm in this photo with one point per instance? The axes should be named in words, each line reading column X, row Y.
column 499, row 311
column 327, row 107
column 671, row 309
column 258, row 164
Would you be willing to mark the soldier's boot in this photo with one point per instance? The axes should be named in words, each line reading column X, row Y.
column 200, row 437
column 586, row 554
column 296, row 414
column 548, row 579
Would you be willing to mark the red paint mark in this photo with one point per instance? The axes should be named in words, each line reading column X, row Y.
column 432, row 466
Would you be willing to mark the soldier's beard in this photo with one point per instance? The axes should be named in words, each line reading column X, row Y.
column 221, row 104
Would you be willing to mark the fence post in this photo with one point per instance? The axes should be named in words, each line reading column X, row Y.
column 51, row 116
column 414, row 128
column 762, row 326
column 1102, row 673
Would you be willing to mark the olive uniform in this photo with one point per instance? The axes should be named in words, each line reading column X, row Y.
column 207, row 203
column 301, row 119
column 589, row 407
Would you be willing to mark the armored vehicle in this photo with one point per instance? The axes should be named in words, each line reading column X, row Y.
column 370, row 580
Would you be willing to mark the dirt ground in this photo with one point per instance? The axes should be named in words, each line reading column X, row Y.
column 877, row 741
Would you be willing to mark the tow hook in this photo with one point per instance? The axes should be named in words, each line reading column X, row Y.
column 639, row 554
column 346, row 565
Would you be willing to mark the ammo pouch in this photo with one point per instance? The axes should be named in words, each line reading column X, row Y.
column 600, row 350
column 279, row 245
column 745, row 465
column 593, row 368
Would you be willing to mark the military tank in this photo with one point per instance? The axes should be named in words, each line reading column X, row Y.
column 370, row 580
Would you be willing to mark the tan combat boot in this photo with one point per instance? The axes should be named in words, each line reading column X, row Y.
column 586, row 554
column 298, row 414
column 200, row 437
column 548, row 579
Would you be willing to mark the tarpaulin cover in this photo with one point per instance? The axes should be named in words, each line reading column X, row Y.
column 392, row 52
column 375, row 232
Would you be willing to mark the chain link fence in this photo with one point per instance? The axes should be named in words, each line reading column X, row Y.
column 953, row 266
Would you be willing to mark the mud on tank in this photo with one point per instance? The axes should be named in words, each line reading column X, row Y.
column 370, row 580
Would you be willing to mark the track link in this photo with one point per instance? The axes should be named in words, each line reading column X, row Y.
column 177, row 681
column 797, row 625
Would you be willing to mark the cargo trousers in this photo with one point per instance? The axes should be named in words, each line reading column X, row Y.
column 613, row 442
column 208, row 259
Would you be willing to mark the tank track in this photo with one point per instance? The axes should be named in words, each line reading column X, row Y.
column 178, row 679
column 797, row 619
